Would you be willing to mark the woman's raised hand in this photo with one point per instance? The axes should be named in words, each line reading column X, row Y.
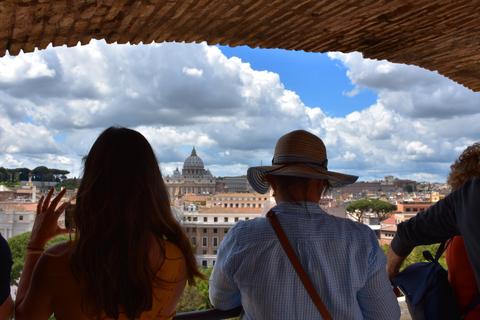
column 46, row 225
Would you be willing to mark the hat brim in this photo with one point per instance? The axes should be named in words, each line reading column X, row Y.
column 257, row 176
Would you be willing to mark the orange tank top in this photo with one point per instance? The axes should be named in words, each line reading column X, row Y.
column 461, row 276
column 169, row 274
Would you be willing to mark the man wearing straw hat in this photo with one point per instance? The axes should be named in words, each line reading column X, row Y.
column 344, row 274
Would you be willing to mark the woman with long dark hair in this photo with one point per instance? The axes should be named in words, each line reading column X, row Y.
column 130, row 258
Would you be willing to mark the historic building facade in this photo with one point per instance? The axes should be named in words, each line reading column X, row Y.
column 194, row 178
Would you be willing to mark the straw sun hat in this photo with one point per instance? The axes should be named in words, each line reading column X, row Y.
column 300, row 154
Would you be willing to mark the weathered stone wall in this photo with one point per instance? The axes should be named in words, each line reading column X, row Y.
column 438, row 35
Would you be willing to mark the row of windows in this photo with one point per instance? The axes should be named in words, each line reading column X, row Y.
column 205, row 263
column 215, row 219
column 414, row 209
column 205, row 241
column 248, row 199
column 215, row 230
column 225, row 205
column 389, row 235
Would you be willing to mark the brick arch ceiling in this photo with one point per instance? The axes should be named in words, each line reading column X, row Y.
column 440, row 35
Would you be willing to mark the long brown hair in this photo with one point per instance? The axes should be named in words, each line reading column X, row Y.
column 122, row 203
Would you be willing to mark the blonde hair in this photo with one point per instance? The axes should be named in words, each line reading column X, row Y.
column 465, row 167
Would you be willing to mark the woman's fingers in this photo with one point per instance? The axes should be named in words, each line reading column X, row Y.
column 39, row 205
column 47, row 200
column 57, row 199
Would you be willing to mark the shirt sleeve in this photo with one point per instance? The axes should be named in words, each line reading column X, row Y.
column 5, row 269
column 224, row 292
column 376, row 298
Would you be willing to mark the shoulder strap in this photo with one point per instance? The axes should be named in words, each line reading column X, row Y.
column 441, row 249
column 298, row 266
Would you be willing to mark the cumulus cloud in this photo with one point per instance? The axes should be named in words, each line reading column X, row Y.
column 410, row 90
column 55, row 102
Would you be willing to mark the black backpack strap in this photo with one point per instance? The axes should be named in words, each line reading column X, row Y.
column 442, row 248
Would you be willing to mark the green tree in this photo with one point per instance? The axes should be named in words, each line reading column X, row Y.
column 417, row 255
column 39, row 173
column 18, row 246
column 409, row 188
column 196, row 297
column 23, row 173
column 382, row 208
column 360, row 205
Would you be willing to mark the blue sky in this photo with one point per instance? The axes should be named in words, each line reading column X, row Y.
column 376, row 118
column 319, row 81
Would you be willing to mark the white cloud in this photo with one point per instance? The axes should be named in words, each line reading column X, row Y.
column 55, row 102
column 194, row 72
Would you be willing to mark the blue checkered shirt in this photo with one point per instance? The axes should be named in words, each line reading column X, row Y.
column 342, row 259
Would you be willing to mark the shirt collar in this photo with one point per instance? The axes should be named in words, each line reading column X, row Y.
column 305, row 207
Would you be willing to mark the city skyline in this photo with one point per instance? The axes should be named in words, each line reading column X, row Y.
column 376, row 118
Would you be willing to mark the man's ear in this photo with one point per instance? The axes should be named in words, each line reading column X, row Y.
column 271, row 180
column 318, row 183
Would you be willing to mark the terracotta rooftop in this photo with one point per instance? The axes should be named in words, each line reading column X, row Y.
column 389, row 220
column 438, row 35
column 18, row 207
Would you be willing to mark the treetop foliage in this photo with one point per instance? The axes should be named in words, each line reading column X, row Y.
column 40, row 173
column 381, row 208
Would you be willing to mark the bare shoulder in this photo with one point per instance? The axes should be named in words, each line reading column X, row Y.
column 58, row 248
column 56, row 257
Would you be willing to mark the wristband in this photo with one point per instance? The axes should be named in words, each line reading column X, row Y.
column 36, row 249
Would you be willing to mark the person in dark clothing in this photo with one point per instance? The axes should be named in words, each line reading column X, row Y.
column 6, row 302
column 455, row 216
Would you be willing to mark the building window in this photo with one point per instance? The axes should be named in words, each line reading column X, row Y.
column 204, row 230
column 236, row 205
column 188, row 230
column 204, row 251
column 215, row 230
column 205, row 219
column 204, row 263
column 189, row 218
column 225, row 230
column 215, row 219
column 194, row 241
column 194, row 230
column 254, row 205
column 20, row 218
column 226, row 205
column 243, row 205
column 225, row 219
column 236, row 219
column 259, row 205
column 194, row 218
column 214, row 263
column 246, row 218
column 214, row 252
column 231, row 205
column 215, row 241
column 204, row 241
